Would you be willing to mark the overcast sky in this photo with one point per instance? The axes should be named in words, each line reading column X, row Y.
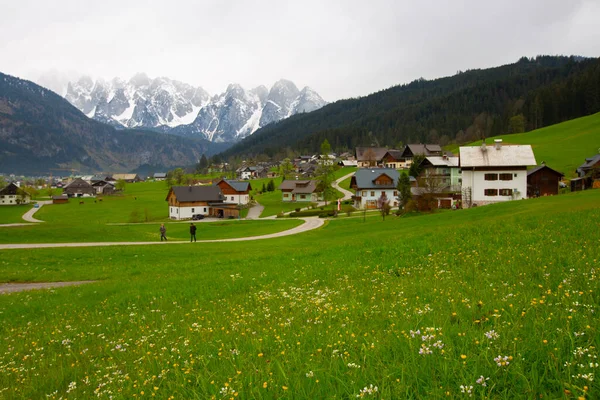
column 340, row 48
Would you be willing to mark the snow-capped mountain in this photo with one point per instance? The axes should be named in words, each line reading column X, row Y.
column 181, row 109
column 139, row 102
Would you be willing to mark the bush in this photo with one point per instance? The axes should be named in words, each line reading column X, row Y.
column 298, row 209
column 306, row 213
column 281, row 215
column 328, row 214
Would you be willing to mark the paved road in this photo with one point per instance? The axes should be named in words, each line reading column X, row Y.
column 255, row 211
column 28, row 216
column 309, row 224
column 347, row 194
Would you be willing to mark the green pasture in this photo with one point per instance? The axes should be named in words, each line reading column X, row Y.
column 13, row 214
column 494, row 302
column 563, row 146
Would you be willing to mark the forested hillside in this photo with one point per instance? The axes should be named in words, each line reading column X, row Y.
column 526, row 95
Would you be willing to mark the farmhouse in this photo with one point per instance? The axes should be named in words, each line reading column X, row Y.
column 235, row 192
column 251, row 172
column 103, row 187
column 160, row 176
column 589, row 173
column 372, row 183
column 393, row 159
column 129, row 178
column 370, row 156
column 543, row 181
column 186, row 201
column 301, row 190
column 13, row 195
column 492, row 174
column 79, row 188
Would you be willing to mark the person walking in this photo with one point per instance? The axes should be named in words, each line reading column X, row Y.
column 163, row 232
column 192, row 232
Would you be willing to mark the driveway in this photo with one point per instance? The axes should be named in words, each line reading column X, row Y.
column 255, row 211
column 347, row 194
column 28, row 216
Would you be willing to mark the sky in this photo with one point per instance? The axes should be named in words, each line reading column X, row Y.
column 340, row 48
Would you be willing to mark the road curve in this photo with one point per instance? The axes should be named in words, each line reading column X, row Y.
column 28, row 216
column 347, row 194
column 308, row 225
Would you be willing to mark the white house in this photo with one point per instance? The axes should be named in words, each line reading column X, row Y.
column 186, row 201
column 12, row 195
column 372, row 183
column 300, row 190
column 492, row 174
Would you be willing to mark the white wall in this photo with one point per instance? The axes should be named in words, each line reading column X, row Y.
column 236, row 198
column 376, row 195
column 11, row 200
column 187, row 212
column 476, row 180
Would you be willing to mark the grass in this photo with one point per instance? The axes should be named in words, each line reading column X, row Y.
column 416, row 307
column 13, row 214
column 563, row 146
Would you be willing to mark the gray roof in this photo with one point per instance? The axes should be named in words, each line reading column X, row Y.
column 540, row 167
column 300, row 186
column 490, row 156
column 362, row 153
column 78, row 184
column 160, row 175
column 589, row 162
column 425, row 149
column 238, row 186
column 197, row 193
column 365, row 177
column 441, row 161
column 396, row 154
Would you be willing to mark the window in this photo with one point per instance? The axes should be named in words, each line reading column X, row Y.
column 364, row 193
column 285, row 195
column 490, row 192
column 506, row 177
column 192, row 210
column 506, row 192
column 491, row 177
column 205, row 209
column 302, row 196
column 372, row 193
column 515, row 175
column 395, row 193
column 231, row 198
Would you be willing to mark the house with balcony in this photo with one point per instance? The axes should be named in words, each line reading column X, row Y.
column 442, row 172
column 300, row 190
column 12, row 195
column 492, row 174
column 370, row 184
column 235, row 192
column 187, row 201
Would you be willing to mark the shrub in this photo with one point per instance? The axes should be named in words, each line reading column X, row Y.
column 298, row 209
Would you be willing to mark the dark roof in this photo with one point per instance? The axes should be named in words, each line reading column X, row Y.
column 395, row 154
column 61, row 197
column 365, row 177
column 363, row 152
column 238, row 186
column 425, row 149
column 540, row 167
column 78, row 184
column 197, row 193
column 300, row 186
column 12, row 189
column 160, row 175
column 589, row 163
column 102, row 183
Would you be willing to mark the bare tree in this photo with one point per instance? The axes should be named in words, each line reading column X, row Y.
column 383, row 204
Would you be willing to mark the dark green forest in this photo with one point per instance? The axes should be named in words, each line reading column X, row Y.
column 529, row 94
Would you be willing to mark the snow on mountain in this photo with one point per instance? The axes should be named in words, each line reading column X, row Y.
column 182, row 109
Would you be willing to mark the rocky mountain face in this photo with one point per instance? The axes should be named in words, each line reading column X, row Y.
column 178, row 108
column 40, row 131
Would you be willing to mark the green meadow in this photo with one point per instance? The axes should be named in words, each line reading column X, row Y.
column 13, row 214
column 563, row 147
column 494, row 302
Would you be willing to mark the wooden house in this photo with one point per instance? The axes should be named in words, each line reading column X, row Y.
column 588, row 174
column 62, row 199
column 235, row 192
column 370, row 156
column 103, row 187
column 79, row 188
column 543, row 181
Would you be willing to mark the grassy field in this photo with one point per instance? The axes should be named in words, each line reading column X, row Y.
column 13, row 214
column 563, row 147
column 493, row 302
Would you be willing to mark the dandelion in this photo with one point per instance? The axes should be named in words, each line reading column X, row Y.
column 463, row 356
column 468, row 390
column 482, row 381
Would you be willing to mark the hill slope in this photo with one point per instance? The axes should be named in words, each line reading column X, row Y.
column 470, row 105
column 563, row 146
column 40, row 130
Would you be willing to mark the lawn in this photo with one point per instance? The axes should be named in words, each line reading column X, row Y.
column 13, row 214
column 563, row 146
column 496, row 302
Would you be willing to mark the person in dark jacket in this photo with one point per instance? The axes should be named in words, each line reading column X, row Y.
column 163, row 232
column 192, row 232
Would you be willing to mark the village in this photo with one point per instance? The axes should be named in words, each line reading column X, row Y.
column 438, row 179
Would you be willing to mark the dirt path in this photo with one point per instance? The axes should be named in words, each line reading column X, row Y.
column 28, row 216
column 308, row 225
column 19, row 287
column 347, row 194
column 255, row 211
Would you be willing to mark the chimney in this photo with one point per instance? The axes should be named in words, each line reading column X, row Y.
column 483, row 146
column 498, row 143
